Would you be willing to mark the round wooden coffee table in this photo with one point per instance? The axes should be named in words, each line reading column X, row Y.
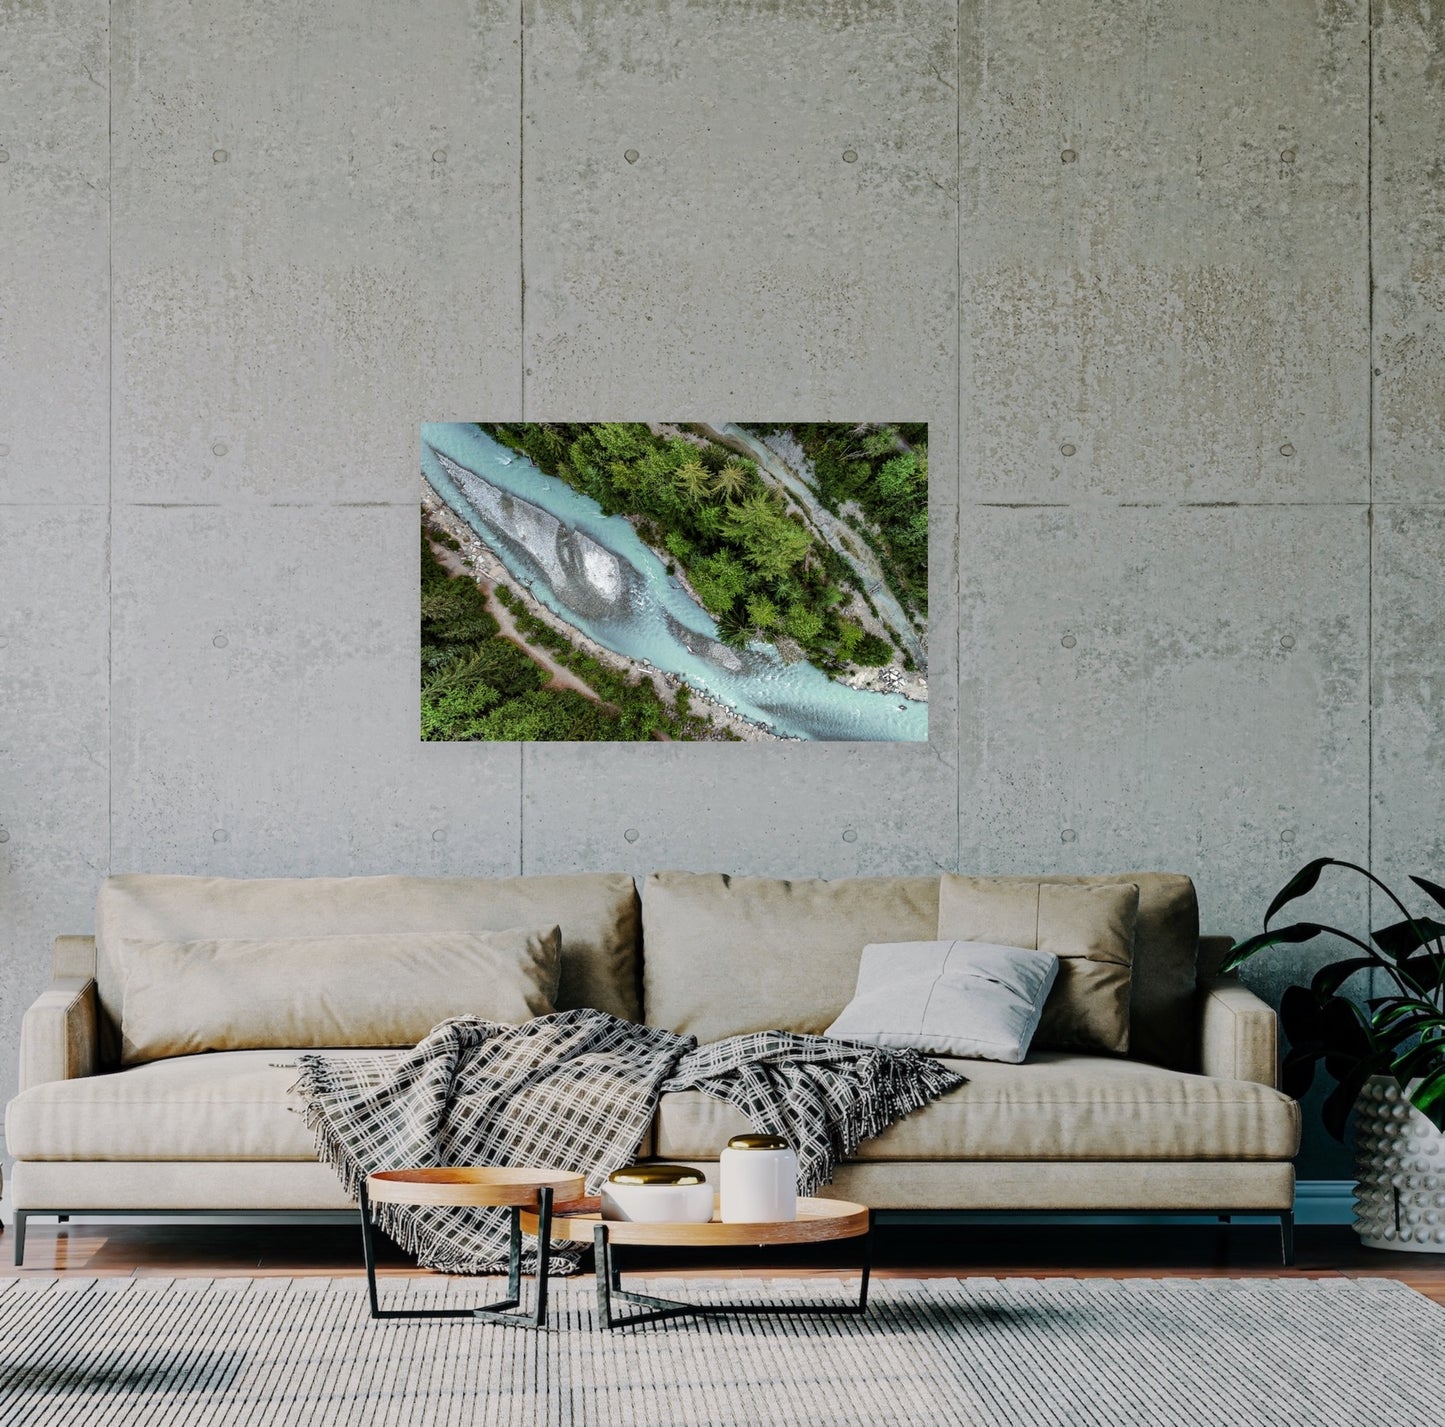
column 818, row 1221
column 485, row 1187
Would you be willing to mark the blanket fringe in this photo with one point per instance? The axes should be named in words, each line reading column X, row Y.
column 907, row 1082
column 428, row 1243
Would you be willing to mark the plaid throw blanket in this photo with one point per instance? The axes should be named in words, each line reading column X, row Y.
column 577, row 1090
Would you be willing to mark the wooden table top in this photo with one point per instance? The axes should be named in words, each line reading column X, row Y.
column 481, row 1186
column 818, row 1220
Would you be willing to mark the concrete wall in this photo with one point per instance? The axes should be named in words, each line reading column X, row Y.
column 1187, row 453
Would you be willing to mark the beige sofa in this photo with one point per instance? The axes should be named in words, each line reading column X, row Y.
column 1190, row 1121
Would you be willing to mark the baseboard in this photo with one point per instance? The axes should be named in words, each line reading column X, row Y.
column 1317, row 1201
column 1324, row 1201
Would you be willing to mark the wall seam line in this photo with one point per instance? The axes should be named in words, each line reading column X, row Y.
column 110, row 441
column 522, row 209
column 1370, row 459
column 522, row 354
column 958, row 437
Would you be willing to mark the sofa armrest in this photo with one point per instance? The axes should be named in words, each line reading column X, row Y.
column 1238, row 1034
column 59, row 1033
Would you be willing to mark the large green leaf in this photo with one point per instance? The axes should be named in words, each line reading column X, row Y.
column 1387, row 1011
column 1405, row 1025
column 1329, row 979
column 1429, row 1098
column 1303, row 881
column 1433, row 888
column 1297, row 1073
column 1335, row 1112
column 1401, row 938
column 1423, row 1059
column 1425, row 971
column 1291, row 935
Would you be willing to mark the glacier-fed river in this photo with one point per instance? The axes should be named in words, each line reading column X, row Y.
column 595, row 572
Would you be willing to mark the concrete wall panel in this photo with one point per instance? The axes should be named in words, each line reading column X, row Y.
column 331, row 222
column 782, row 243
column 54, row 805
column 716, row 225
column 1409, row 692
column 1408, row 251
column 1182, row 689
column 54, row 236
column 1163, row 276
column 265, row 703
column 315, row 237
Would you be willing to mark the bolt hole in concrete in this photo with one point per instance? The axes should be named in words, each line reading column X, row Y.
column 1286, row 641
column 1068, row 448
column 1068, row 156
column 220, row 835
column 630, row 835
column 1068, row 641
column 220, row 641
column 850, row 156
column 219, row 449
column 850, row 835
column 1286, row 156
column 1286, row 449
column 4, row 835
column 1287, row 835
column 4, row 157
column 219, row 156
column 439, row 835
column 631, row 156
column 1068, row 835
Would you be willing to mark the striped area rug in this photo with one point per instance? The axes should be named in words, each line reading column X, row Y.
column 1147, row 1353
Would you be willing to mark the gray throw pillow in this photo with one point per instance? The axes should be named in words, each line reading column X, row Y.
column 968, row 999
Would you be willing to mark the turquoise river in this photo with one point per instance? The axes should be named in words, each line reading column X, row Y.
column 594, row 571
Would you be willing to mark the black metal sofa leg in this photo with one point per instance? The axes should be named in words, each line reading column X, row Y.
column 20, row 1216
column 1286, row 1237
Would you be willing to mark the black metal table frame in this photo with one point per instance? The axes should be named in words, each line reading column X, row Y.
column 504, row 1311
column 657, row 1310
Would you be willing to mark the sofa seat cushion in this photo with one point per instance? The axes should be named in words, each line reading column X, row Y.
column 1055, row 1106
column 227, row 1105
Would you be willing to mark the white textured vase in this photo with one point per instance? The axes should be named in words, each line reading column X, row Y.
column 1400, row 1164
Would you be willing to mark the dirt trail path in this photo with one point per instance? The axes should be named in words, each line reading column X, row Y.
column 559, row 675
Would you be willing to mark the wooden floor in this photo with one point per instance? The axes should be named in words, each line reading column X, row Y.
column 1013, row 1250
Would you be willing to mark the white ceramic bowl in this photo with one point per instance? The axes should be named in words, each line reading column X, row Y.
column 658, row 1203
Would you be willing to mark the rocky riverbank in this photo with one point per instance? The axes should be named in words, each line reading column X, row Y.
column 483, row 563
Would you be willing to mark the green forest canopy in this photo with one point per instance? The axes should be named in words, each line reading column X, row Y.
column 478, row 685
column 759, row 570
column 884, row 470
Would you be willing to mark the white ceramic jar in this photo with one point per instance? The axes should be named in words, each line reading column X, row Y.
column 658, row 1194
column 759, row 1180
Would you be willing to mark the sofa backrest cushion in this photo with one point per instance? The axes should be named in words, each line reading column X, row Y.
column 1162, row 1025
column 727, row 955
column 1089, row 928
column 362, row 989
column 598, row 915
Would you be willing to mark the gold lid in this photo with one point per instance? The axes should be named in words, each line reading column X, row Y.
column 757, row 1142
column 657, row 1174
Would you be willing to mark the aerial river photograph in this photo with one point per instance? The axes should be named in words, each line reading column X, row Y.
column 674, row 581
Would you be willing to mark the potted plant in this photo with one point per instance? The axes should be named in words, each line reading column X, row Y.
column 1386, row 1057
